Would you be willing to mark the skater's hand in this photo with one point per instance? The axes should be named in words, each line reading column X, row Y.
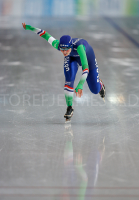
column 24, row 25
column 79, row 93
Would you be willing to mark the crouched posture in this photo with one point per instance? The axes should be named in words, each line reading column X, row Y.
column 76, row 52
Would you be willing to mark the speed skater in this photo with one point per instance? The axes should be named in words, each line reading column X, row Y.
column 77, row 52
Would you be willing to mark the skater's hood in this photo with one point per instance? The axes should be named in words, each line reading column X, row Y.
column 65, row 42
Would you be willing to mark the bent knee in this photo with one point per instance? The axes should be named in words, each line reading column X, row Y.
column 95, row 89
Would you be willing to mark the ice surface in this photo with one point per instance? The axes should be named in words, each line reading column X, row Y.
column 93, row 157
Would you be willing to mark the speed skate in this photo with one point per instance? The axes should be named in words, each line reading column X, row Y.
column 69, row 113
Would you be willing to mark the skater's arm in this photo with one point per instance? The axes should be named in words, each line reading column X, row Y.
column 84, row 62
column 43, row 34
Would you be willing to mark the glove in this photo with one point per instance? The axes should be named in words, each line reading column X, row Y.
column 79, row 86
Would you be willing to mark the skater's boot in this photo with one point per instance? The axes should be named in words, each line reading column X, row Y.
column 102, row 91
column 69, row 112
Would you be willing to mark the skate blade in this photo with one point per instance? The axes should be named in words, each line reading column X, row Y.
column 104, row 100
column 68, row 121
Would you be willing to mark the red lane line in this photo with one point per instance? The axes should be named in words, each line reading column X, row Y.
column 58, row 187
column 67, row 195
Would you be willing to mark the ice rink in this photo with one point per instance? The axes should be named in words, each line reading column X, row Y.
column 96, row 156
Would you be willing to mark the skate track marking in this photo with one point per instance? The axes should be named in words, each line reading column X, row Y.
column 118, row 28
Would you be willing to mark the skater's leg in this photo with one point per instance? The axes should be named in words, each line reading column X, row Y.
column 93, row 80
column 70, row 70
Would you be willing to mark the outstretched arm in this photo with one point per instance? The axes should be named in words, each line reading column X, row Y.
column 43, row 34
column 85, row 67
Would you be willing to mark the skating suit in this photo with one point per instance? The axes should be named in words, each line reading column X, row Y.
column 82, row 54
column 73, row 61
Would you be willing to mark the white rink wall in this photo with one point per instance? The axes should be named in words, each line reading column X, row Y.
column 40, row 8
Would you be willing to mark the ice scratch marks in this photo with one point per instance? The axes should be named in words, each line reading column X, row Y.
column 41, row 69
column 1, row 78
column 9, row 37
column 5, row 48
column 100, row 36
column 17, row 111
column 12, row 63
column 10, row 85
column 116, row 49
column 129, row 62
column 3, row 146
column 111, row 154
column 119, row 179
column 131, row 65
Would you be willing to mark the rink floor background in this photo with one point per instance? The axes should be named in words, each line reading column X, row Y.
column 97, row 155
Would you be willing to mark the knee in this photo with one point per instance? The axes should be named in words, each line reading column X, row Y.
column 95, row 89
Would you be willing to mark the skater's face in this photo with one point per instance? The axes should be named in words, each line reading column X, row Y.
column 66, row 52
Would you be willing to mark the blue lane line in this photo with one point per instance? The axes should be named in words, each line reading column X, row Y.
column 118, row 28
